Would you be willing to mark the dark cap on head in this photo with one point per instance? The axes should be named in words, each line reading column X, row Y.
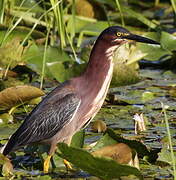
column 117, row 32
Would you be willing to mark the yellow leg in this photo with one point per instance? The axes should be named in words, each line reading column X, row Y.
column 46, row 164
column 67, row 164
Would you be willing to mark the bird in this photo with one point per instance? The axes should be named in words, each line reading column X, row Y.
column 75, row 102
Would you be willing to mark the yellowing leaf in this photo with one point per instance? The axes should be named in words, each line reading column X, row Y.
column 120, row 152
column 17, row 95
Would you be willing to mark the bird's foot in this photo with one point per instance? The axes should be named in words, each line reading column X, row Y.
column 67, row 164
column 46, row 164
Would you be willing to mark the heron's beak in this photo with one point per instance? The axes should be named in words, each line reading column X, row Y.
column 141, row 39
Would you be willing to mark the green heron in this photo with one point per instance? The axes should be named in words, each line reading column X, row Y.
column 72, row 105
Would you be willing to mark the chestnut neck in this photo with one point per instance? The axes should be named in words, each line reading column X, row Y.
column 98, row 60
column 101, row 58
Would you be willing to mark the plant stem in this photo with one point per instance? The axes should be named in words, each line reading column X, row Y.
column 170, row 141
column 44, row 58
column 121, row 14
column 173, row 2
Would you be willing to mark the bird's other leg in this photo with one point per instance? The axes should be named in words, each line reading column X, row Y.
column 47, row 160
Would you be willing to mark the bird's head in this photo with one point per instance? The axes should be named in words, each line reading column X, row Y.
column 116, row 35
column 113, row 37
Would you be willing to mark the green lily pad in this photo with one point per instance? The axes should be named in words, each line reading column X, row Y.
column 103, row 168
column 147, row 96
column 165, row 156
column 168, row 41
column 106, row 140
column 78, row 139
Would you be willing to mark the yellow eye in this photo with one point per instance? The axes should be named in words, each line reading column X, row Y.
column 122, row 34
column 119, row 34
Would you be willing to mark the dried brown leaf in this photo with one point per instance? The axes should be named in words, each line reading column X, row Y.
column 17, row 95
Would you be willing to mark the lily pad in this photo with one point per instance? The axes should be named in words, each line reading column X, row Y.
column 106, row 140
column 103, row 168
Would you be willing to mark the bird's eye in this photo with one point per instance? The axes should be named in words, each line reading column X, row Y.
column 119, row 34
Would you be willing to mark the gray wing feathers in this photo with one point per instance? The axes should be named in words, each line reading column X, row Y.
column 49, row 121
column 45, row 120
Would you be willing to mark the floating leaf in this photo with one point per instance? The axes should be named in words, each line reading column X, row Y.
column 125, row 75
column 17, row 95
column 147, row 96
column 10, row 82
column 106, row 140
column 103, row 168
column 125, row 65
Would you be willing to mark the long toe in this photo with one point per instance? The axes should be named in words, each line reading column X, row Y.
column 67, row 165
column 46, row 164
